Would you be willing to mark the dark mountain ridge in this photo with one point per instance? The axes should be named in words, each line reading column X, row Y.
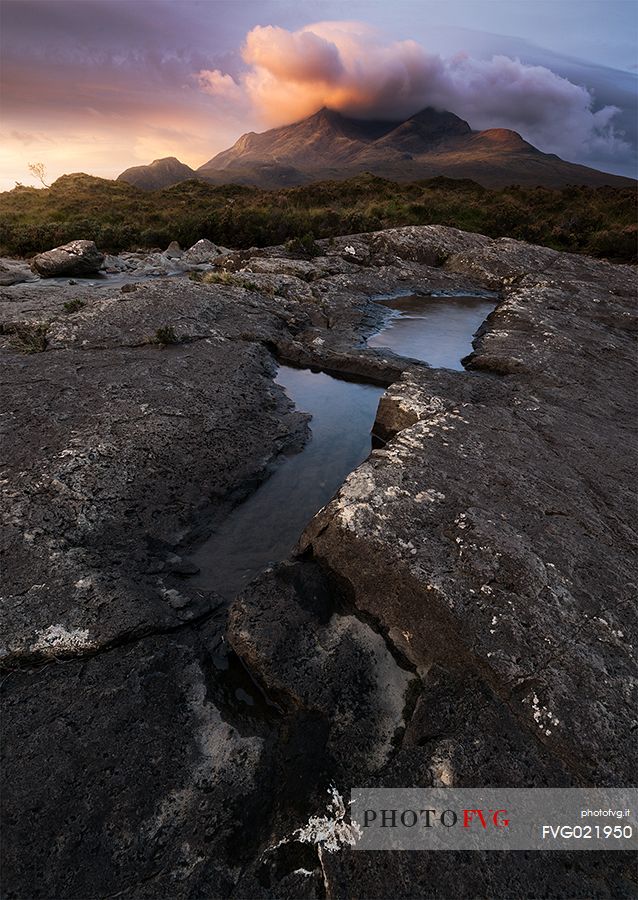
column 329, row 145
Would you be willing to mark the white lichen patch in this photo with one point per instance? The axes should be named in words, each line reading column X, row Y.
column 331, row 832
column 393, row 493
column 82, row 584
column 58, row 639
column 408, row 399
column 542, row 715
column 356, row 493
column 429, row 496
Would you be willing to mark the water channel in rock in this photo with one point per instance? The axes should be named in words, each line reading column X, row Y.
column 265, row 527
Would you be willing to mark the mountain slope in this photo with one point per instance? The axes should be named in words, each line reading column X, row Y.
column 159, row 174
column 323, row 138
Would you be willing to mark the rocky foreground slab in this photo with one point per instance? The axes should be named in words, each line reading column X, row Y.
column 462, row 613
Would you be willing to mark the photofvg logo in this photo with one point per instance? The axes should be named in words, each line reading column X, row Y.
column 428, row 818
column 495, row 819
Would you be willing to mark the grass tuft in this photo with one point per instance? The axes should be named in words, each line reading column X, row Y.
column 304, row 246
column 30, row 337
column 164, row 336
column 72, row 306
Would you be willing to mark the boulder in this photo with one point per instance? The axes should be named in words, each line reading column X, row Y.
column 174, row 251
column 114, row 264
column 74, row 258
column 15, row 274
column 204, row 251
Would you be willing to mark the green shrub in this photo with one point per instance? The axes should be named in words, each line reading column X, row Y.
column 72, row 306
column 165, row 335
column 615, row 243
column 303, row 246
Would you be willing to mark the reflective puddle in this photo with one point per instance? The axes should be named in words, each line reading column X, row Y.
column 435, row 329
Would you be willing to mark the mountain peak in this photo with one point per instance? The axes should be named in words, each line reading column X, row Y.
column 432, row 114
column 166, row 161
column 324, row 114
column 505, row 139
column 439, row 121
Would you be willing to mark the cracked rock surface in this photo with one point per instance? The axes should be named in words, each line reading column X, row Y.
column 462, row 613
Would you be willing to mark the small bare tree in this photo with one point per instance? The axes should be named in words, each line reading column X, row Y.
column 38, row 171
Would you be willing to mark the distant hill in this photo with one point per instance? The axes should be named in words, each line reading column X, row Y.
column 159, row 174
column 328, row 145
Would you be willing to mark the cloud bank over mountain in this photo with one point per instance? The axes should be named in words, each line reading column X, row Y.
column 349, row 67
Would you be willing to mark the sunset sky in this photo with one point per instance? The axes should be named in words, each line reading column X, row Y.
column 100, row 85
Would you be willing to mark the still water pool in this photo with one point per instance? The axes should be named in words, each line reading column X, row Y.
column 266, row 526
column 436, row 329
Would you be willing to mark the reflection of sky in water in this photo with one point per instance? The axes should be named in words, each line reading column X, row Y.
column 266, row 526
column 437, row 330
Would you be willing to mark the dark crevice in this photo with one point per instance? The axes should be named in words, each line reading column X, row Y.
column 343, row 594
column 232, row 688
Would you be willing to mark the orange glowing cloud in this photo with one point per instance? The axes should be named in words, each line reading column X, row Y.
column 350, row 67
column 342, row 65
